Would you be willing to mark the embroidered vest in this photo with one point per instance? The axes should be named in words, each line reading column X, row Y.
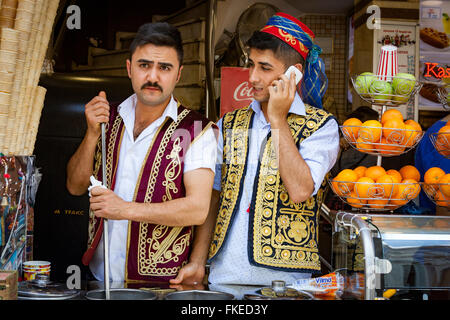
column 283, row 235
column 154, row 252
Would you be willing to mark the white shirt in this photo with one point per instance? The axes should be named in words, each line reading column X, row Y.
column 201, row 154
column 231, row 265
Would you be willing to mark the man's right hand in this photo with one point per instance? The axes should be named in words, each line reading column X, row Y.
column 192, row 274
column 96, row 112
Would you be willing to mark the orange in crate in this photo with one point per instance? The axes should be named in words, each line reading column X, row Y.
column 441, row 200
column 410, row 135
column 384, row 148
column 360, row 171
column 364, row 187
column 411, row 188
column 410, row 172
column 375, row 172
column 413, row 124
column 372, row 134
column 395, row 175
column 393, row 131
column 363, row 146
column 385, row 183
column 391, row 114
column 351, row 132
column 354, row 201
column 344, row 181
column 377, row 203
column 433, row 175
column 445, row 188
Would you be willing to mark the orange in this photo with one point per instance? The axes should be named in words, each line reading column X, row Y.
column 360, row 171
column 393, row 131
column 443, row 138
column 441, row 200
column 433, row 175
column 363, row 146
column 413, row 124
column 410, row 172
column 351, row 132
column 364, row 186
column 372, row 132
column 409, row 136
column 391, row 114
column 354, row 201
column 395, row 175
column 375, row 172
column 411, row 188
column 386, row 185
column 349, row 177
column 386, row 148
column 400, row 198
column 377, row 203
column 397, row 178
column 445, row 188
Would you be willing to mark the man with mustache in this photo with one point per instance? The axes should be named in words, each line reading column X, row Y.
column 160, row 159
column 269, row 184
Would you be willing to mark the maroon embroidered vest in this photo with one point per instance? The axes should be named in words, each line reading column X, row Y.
column 154, row 252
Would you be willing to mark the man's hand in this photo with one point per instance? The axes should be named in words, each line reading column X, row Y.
column 191, row 274
column 106, row 204
column 96, row 112
column 282, row 93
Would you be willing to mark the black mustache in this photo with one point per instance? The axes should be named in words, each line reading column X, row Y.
column 152, row 85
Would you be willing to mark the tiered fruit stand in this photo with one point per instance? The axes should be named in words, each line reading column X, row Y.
column 385, row 141
column 380, row 196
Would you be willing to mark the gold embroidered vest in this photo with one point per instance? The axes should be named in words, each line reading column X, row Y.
column 283, row 235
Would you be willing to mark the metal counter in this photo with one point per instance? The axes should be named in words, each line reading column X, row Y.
column 377, row 252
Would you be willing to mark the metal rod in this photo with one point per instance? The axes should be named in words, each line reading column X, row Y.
column 368, row 247
column 105, row 221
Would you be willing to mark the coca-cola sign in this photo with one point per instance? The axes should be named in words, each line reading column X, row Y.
column 243, row 92
column 236, row 91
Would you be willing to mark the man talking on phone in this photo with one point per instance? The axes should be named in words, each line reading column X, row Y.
column 270, row 174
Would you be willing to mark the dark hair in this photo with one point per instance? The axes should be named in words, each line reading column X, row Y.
column 159, row 34
column 364, row 113
column 284, row 52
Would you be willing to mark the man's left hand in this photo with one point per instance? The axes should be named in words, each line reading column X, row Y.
column 282, row 93
column 106, row 204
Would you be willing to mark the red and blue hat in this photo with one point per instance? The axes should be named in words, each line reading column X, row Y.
column 297, row 35
column 292, row 31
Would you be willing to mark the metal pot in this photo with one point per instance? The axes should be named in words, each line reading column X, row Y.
column 121, row 294
column 199, row 295
column 41, row 288
column 278, row 291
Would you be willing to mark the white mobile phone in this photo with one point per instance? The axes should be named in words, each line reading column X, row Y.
column 298, row 74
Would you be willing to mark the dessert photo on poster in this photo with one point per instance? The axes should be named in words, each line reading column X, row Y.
column 435, row 26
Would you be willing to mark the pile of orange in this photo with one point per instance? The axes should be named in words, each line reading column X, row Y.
column 443, row 140
column 389, row 136
column 377, row 188
column 438, row 185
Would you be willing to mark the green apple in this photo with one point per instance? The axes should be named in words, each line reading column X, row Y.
column 381, row 91
column 363, row 83
column 403, row 84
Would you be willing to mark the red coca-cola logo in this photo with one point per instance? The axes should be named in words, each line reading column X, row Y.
column 243, row 92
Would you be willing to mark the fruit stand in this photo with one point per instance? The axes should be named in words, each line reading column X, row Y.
column 375, row 249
